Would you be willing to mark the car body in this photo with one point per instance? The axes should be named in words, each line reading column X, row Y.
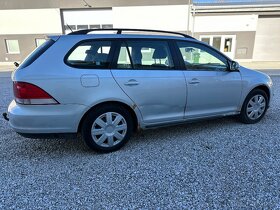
column 173, row 85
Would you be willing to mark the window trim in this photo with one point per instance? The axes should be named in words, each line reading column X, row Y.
column 173, row 55
column 176, row 55
column 115, row 65
column 129, row 55
column 182, row 63
column 110, row 55
column 7, row 47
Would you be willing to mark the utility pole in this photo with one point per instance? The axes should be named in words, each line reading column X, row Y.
column 193, row 15
column 189, row 16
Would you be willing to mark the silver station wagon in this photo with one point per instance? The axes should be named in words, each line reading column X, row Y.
column 107, row 86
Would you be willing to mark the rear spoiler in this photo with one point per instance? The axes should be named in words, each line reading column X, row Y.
column 53, row 37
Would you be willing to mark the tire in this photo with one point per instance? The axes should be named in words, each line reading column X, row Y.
column 107, row 128
column 258, row 110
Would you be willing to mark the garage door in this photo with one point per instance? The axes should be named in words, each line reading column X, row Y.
column 267, row 42
column 87, row 19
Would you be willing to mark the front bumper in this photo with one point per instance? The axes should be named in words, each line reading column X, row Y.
column 34, row 119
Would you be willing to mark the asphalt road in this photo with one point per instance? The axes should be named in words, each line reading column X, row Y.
column 216, row 164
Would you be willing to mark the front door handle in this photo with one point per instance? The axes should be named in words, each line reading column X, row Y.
column 194, row 81
column 131, row 82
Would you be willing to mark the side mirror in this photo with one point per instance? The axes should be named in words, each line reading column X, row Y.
column 234, row 66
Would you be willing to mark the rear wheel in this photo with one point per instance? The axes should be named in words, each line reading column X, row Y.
column 254, row 107
column 107, row 128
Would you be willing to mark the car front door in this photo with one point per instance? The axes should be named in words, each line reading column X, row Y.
column 211, row 88
column 146, row 72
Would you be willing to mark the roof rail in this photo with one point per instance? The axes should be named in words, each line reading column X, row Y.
column 120, row 30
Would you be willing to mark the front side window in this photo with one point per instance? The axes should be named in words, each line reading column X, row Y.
column 147, row 55
column 200, row 57
column 90, row 54
column 12, row 46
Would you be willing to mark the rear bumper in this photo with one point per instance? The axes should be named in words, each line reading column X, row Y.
column 34, row 119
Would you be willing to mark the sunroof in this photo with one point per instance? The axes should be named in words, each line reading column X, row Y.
column 236, row 2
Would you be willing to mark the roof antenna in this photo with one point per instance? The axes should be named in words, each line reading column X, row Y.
column 69, row 27
column 86, row 4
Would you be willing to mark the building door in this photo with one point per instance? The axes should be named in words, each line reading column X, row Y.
column 225, row 43
column 81, row 19
column 267, row 43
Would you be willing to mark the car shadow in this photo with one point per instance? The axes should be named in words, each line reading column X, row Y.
column 72, row 144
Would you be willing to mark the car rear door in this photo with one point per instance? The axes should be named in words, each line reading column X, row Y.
column 146, row 72
column 212, row 88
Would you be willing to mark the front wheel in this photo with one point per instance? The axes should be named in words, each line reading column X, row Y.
column 107, row 128
column 254, row 107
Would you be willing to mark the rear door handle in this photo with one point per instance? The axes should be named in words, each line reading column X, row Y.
column 131, row 82
column 194, row 81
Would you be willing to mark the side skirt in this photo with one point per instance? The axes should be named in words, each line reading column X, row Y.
column 184, row 121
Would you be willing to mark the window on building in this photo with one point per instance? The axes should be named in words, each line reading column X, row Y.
column 72, row 27
column 91, row 54
column 107, row 26
column 228, row 45
column 94, row 26
column 206, row 40
column 12, row 46
column 224, row 43
column 82, row 27
column 39, row 42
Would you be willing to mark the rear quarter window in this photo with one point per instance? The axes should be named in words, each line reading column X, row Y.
column 36, row 53
column 93, row 54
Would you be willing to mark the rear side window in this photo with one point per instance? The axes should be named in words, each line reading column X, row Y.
column 90, row 54
column 36, row 53
column 146, row 55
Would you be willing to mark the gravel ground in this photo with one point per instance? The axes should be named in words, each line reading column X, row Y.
column 217, row 164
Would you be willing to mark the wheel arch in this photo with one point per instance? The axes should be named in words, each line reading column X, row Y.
column 263, row 87
column 135, row 116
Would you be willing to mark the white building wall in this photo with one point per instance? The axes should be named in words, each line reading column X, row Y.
column 30, row 21
column 171, row 17
column 225, row 23
column 88, row 17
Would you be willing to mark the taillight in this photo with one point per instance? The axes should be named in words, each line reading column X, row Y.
column 26, row 93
